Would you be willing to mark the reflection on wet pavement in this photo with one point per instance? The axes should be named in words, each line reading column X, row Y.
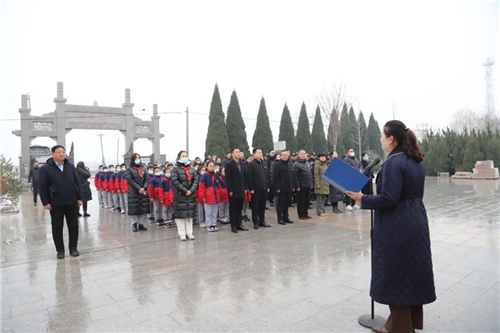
column 310, row 276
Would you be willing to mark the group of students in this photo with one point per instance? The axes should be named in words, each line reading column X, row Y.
column 112, row 187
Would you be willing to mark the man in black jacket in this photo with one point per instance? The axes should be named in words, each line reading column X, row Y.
column 283, row 186
column 258, row 184
column 236, row 182
column 33, row 180
column 60, row 193
column 302, row 180
column 270, row 160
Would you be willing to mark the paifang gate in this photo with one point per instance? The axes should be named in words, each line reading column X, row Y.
column 66, row 117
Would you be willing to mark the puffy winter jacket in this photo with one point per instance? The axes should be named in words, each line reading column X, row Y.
column 104, row 181
column 208, row 188
column 118, row 182
column 111, row 181
column 123, row 182
column 168, row 192
column 184, row 179
column 223, row 189
column 155, row 191
column 137, row 178
column 97, row 181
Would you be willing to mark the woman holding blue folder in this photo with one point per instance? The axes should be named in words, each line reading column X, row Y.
column 402, row 275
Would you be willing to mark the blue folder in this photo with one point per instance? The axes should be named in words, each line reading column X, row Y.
column 344, row 177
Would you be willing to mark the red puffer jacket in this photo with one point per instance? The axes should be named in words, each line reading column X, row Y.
column 208, row 188
column 155, row 191
column 223, row 189
column 168, row 192
column 123, row 182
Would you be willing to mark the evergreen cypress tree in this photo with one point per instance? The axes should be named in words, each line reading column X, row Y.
column 363, row 132
column 345, row 137
column 287, row 133
column 458, row 150
column 216, row 142
column 437, row 159
column 263, row 137
column 318, row 133
column 493, row 150
column 373, row 134
column 353, row 129
column 236, row 126
column 472, row 152
column 329, row 136
column 304, row 140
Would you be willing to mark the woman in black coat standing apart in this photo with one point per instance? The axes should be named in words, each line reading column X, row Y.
column 185, row 181
column 402, row 274
column 138, row 200
column 84, row 175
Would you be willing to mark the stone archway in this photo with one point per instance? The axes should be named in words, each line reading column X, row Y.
column 66, row 117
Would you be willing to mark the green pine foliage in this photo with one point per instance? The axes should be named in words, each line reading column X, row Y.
column 318, row 133
column 262, row 137
column 363, row 132
column 10, row 181
column 437, row 159
column 304, row 140
column 217, row 142
column 345, row 136
column 236, row 133
column 472, row 152
column 373, row 136
column 287, row 133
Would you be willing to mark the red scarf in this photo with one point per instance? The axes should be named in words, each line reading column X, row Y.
column 186, row 169
column 139, row 170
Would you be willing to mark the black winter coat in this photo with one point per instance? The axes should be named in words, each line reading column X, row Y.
column 402, row 262
column 59, row 188
column 184, row 206
column 302, row 176
column 236, row 181
column 34, row 175
column 84, row 176
column 258, row 176
column 366, row 188
column 283, row 176
column 138, row 204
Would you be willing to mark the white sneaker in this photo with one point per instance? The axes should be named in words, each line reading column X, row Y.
column 191, row 237
column 349, row 208
column 215, row 229
column 123, row 212
column 202, row 225
column 183, row 238
column 210, row 229
column 355, row 207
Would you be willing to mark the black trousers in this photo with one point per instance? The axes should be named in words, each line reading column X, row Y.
column 235, row 208
column 259, row 207
column 57, row 213
column 270, row 196
column 35, row 191
column 283, row 204
column 303, row 198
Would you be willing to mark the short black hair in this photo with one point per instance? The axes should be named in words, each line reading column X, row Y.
column 270, row 150
column 233, row 149
column 123, row 165
column 150, row 167
column 157, row 168
column 255, row 150
column 228, row 152
column 111, row 165
column 100, row 166
column 320, row 155
column 364, row 153
column 57, row 146
column 348, row 148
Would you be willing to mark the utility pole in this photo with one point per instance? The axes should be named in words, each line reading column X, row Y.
column 187, row 130
column 102, row 149
column 118, row 152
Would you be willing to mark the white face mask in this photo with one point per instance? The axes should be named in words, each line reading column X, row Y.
column 352, row 154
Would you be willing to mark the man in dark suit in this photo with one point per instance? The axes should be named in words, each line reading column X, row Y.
column 236, row 182
column 258, row 184
column 33, row 180
column 283, row 186
column 61, row 194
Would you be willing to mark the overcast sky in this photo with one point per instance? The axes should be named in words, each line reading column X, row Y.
column 426, row 57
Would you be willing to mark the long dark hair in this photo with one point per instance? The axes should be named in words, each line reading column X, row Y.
column 133, row 157
column 81, row 165
column 406, row 138
column 180, row 153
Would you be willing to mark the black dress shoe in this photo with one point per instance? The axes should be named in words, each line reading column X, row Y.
column 281, row 222
column 256, row 227
column 74, row 252
column 289, row 221
column 79, row 215
column 265, row 225
column 86, row 215
column 142, row 227
column 234, row 230
column 242, row 228
column 291, row 205
column 308, row 217
column 134, row 227
column 267, row 208
column 60, row 254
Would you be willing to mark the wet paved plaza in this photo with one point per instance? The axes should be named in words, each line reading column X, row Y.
column 305, row 277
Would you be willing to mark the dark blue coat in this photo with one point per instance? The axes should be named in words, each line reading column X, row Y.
column 59, row 188
column 402, row 264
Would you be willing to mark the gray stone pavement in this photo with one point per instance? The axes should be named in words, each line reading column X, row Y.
column 305, row 277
